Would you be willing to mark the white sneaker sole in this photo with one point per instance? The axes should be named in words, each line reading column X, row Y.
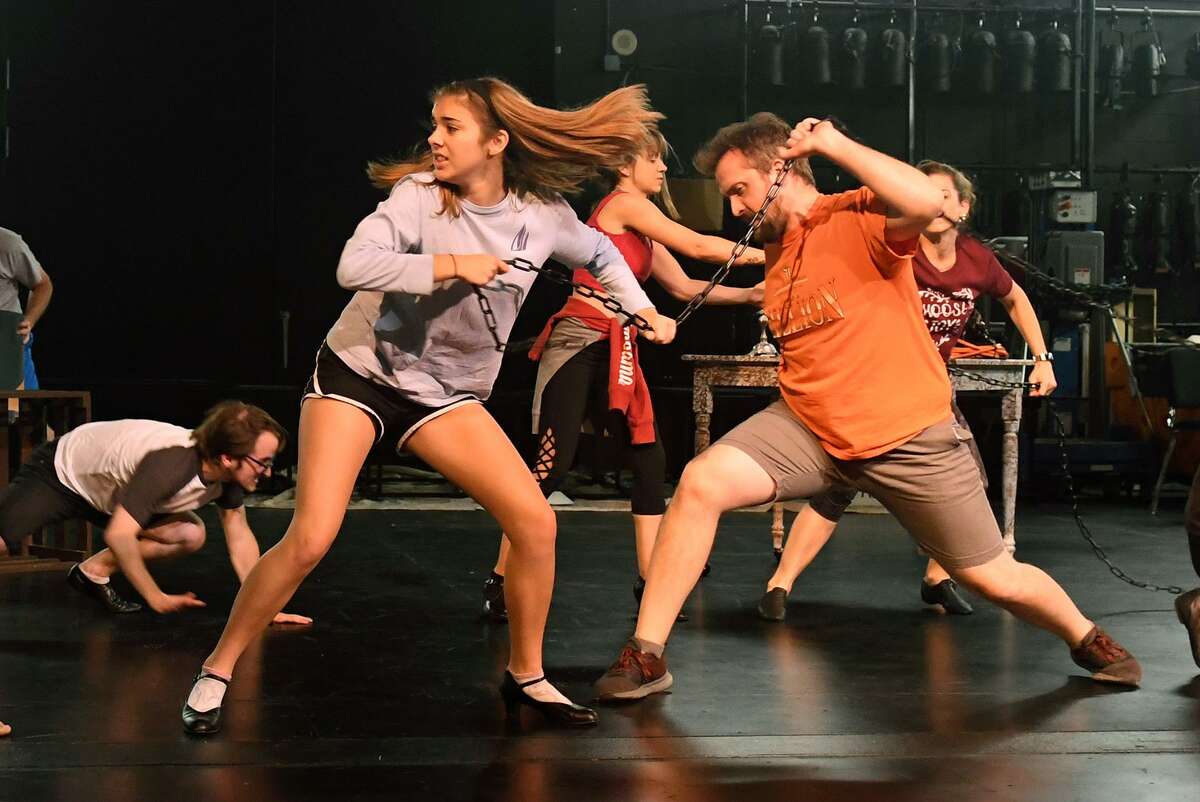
column 642, row 691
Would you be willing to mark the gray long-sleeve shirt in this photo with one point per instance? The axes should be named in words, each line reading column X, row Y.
column 428, row 339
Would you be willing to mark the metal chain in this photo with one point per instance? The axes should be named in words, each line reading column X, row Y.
column 980, row 327
column 697, row 300
column 559, row 276
column 489, row 318
column 1083, row 529
column 979, row 377
column 1099, row 298
column 562, row 277
column 1066, row 469
column 740, row 247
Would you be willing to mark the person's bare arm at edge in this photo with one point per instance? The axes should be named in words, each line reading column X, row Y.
column 671, row 277
column 1020, row 310
column 904, row 193
column 244, row 553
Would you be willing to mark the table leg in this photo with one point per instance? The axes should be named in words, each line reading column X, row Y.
column 702, row 407
column 777, row 526
column 1010, row 412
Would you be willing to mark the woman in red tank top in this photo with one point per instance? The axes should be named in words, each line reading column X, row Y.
column 589, row 359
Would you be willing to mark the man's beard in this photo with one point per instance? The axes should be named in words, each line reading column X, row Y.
column 768, row 231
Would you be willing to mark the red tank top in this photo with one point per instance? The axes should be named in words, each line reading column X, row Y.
column 633, row 246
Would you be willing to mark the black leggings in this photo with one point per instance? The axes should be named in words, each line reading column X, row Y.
column 578, row 387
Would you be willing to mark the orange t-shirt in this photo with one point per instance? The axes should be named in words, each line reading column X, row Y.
column 859, row 368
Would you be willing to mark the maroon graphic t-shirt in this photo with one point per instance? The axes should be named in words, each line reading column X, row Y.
column 948, row 297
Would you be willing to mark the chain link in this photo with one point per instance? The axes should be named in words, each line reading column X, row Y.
column 489, row 318
column 558, row 276
column 740, row 247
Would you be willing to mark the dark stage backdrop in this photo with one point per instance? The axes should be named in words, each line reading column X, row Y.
column 690, row 55
column 188, row 172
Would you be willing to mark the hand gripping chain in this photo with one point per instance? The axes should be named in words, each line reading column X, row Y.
column 559, row 276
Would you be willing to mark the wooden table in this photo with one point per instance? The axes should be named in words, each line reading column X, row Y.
column 1005, row 370
column 711, row 371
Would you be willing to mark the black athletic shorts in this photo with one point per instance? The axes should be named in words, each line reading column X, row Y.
column 390, row 412
column 36, row 498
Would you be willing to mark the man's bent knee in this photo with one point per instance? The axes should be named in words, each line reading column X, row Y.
column 192, row 536
column 184, row 530
column 702, row 484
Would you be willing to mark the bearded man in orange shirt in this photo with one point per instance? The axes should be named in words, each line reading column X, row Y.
column 865, row 396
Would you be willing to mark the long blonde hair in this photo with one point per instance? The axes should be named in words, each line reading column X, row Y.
column 654, row 146
column 549, row 152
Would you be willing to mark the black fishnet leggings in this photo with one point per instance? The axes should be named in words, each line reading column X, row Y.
column 578, row 388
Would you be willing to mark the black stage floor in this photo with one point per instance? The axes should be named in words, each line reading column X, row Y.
column 863, row 694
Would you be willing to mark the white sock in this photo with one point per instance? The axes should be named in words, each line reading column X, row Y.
column 99, row 580
column 206, row 694
column 542, row 691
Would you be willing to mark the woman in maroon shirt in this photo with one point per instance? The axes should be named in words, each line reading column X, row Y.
column 588, row 359
column 952, row 269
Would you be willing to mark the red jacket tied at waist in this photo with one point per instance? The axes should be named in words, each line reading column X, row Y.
column 628, row 392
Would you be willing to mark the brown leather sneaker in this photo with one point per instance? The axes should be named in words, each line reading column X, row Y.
column 634, row 675
column 1187, row 607
column 1106, row 659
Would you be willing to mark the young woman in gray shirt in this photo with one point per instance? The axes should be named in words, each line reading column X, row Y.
column 411, row 358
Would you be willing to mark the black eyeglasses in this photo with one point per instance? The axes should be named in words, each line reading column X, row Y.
column 264, row 467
